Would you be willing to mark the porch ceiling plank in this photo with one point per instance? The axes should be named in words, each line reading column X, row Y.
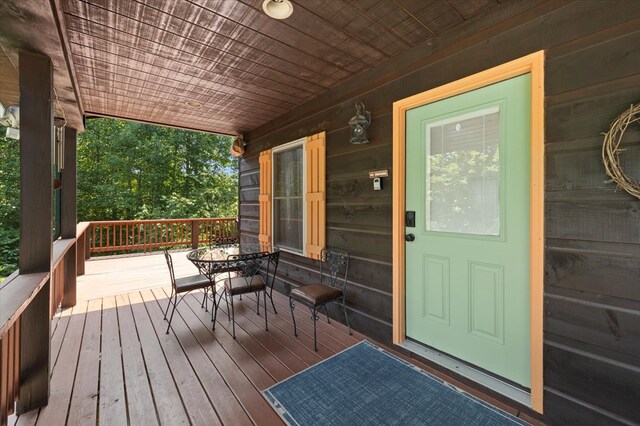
column 161, row 110
column 253, row 28
column 192, row 52
column 469, row 8
column 32, row 25
column 253, row 93
column 210, row 97
column 244, row 67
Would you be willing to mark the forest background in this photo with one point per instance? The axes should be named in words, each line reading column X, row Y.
column 129, row 171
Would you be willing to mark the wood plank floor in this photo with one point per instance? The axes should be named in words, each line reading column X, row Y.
column 113, row 364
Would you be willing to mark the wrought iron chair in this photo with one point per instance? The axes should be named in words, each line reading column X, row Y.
column 245, row 277
column 183, row 285
column 317, row 296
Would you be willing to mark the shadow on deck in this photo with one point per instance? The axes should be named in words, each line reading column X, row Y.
column 112, row 362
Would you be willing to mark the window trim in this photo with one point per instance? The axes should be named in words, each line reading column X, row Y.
column 285, row 147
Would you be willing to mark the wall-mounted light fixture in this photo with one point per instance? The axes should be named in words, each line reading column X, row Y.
column 278, row 9
column 359, row 125
column 237, row 146
column 10, row 117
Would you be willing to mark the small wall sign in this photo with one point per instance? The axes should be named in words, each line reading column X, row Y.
column 378, row 174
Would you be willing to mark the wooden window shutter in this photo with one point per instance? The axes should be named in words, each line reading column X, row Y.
column 265, row 201
column 315, row 194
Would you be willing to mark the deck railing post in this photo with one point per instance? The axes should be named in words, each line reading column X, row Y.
column 195, row 233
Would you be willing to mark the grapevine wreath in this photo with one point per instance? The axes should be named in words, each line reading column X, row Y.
column 611, row 150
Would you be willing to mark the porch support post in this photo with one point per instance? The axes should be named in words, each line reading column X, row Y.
column 68, row 215
column 36, row 143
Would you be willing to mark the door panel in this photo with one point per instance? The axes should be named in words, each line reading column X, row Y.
column 467, row 272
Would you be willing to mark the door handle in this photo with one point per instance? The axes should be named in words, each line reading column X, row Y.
column 410, row 237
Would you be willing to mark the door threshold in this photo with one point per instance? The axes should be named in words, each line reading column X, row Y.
column 465, row 370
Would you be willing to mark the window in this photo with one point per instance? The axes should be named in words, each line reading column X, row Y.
column 288, row 197
column 292, row 197
column 463, row 174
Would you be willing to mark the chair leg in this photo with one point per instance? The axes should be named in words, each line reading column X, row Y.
column 166, row 311
column 295, row 332
column 272, row 304
column 257, row 303
column 175, row 303
column 315, row 337
column 266, row 324
column 204, row 300
column 233, row 319
column 346, row 318
column 326, row 313
column 214, row 315
column 226, row 300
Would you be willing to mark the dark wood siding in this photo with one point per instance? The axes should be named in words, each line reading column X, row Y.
column 592, row 235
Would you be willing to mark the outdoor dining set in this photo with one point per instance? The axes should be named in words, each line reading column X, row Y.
column 226, row 270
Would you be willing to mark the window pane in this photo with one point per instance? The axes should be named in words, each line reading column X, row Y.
column 287, row 198
column 287, row 171
column 463, row 174
column 287, row 223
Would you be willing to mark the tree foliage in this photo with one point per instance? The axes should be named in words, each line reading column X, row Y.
column 131, row 171
column 137, row 171
column 9, row 203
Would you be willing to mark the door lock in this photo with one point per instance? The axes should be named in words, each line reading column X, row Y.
column 410, row 219
column 410, row 237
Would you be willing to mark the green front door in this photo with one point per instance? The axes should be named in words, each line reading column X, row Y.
column 467, row 268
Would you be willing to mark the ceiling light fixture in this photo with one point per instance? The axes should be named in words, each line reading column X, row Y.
column 194, row 104
column 277, row 9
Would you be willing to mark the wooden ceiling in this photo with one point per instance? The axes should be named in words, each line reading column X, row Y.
column 148, row 60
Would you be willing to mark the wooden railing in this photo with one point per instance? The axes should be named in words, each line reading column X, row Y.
column 147, row 235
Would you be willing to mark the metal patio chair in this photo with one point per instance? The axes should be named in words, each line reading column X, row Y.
column 317, row 296
column 183, row 285
column 245, row 277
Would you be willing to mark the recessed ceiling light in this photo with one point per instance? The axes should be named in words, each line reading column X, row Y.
column 193, row 104
column 278, row 9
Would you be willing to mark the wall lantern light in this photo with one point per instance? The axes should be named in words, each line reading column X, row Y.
column 359, row 125
column 237, row 146
column 278, row 9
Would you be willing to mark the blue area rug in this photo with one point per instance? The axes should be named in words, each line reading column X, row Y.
column 365, row 385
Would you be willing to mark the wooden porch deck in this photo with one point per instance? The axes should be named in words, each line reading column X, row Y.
column 113, row 364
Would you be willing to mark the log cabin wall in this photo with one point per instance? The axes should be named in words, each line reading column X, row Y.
column 592, row 231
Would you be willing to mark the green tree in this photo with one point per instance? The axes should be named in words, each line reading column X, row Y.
column 9, row 203
column 131, row 171
column 137, row 171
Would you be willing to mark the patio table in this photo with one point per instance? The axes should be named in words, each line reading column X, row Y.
column 213, row 261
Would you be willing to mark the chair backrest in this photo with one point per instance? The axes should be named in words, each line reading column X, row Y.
column 272, row 268
column 167, row 257
column 250, row 265
column 336, row 262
